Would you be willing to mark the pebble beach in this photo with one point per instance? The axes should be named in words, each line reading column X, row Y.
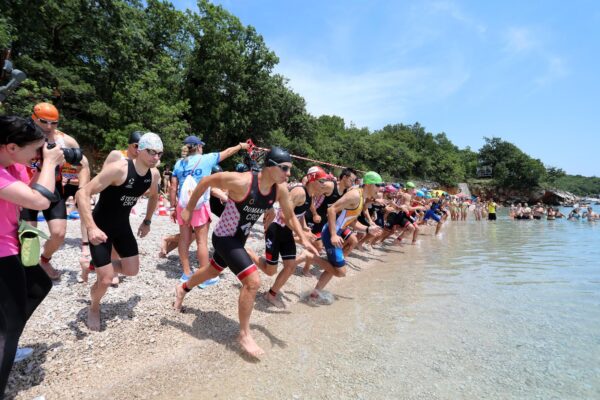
column 139, row 327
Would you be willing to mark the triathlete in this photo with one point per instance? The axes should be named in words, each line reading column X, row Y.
column 250, row 194
column 120, row 185
column 197, row 165
column 317, row 218
column 336, row 232
column 46, row 116
column 279, row 238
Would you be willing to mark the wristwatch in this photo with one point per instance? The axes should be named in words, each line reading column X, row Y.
column 147, row 222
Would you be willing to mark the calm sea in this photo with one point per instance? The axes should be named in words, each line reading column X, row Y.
column 505, row 309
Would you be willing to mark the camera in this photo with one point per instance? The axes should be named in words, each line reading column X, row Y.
column 16, row 77
column 72, row 155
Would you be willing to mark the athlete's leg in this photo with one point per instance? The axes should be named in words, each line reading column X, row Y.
column 250, row 285
column 289, row 266
column 183, row 246
column 58, row 229
column 202, row 243
column 104, row 277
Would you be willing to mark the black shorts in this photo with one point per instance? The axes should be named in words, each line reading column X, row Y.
column 390, row 221
column 57, row 210
column 121, row 237
column 403, row 220
column 316, row 229
column 230, row 252
column 279, row 240
column 491, row 216
column 363, row 220
column 69, row 190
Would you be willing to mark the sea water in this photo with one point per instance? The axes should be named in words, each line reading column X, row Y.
column 485, row 310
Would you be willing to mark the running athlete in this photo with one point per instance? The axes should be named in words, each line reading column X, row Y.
column 336, row 232
column 435, row 208
column 197, row 165
column 317, row 218
column 46, row 116
column 279, row 238
column 130, row 153
column 120, row 185
column 250, row 194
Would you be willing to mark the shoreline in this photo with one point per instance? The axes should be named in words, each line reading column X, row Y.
column 139, row 327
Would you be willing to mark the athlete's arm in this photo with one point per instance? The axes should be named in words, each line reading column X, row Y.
column 232, row 150
column 234, row 182
column 84, row 172
column 283, row 196
column 152, row 201
column 113, row 156
column 113, row 174
column 219, row 194
column 348, row 201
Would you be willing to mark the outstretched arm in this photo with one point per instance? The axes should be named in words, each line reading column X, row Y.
column 283, row 196
column 232, row 150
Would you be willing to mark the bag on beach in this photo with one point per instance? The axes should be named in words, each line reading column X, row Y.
column 29, row 237
column 189, row 184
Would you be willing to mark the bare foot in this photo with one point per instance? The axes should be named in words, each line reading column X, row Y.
column 306, row 271
column 277, row 302
column 93, row 320
column 249, row 345
column 50, row 271
column 179, row 296
column 115, row 281
column 163, row 249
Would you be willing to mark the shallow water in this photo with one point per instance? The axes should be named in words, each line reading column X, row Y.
column 505, row 309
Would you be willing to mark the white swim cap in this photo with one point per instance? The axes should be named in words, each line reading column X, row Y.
column 150, row 140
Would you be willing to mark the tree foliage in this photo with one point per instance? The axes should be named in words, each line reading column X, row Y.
column 114, row 66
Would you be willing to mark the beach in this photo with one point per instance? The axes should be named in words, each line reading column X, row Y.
column 460, row 315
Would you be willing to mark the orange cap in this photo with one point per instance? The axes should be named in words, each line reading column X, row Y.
column 45, row 111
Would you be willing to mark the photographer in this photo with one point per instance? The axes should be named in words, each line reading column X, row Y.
column 46, row 117
column 21, row 289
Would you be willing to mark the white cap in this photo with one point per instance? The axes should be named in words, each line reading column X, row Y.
column 150, row 140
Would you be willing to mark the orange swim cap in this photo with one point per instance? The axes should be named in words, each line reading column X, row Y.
column 45, row 111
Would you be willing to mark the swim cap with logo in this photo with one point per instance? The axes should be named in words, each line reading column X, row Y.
column 277, row 155
column 150, row 141
column 410, row 185
column 315, row 173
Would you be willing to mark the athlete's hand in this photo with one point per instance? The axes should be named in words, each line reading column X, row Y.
column 143, row 230
column 316, row 218
column 174, row 216
column 309, row 246
column 96, row 236
column 374, row 230
column 337, row 241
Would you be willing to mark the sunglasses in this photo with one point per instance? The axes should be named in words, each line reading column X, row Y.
column 322, row 181
column 46, row 122
column 154, row 153
column 284, row 168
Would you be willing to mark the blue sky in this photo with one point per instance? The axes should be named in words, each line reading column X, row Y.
column 527, row 72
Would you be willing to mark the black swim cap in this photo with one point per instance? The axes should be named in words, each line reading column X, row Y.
column 277, row 155
column 241, row 167
column 216, row 168
column 135, row 137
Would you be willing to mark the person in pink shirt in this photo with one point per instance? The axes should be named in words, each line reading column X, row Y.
column 22, row 289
